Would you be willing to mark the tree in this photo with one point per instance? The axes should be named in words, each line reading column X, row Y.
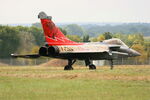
column 38, row 25
column 22, row 28
column 107, row 35
column 94, row 39
column 134, row 39
column 63, row 31
column 147, row 48
column 101, row 37
column 9, row 41
column 140, row 48
column 75, row 29
column 26, row 43
column 38, row 35
column 75, row 38
column 86, row 38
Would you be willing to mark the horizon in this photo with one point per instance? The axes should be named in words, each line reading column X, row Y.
column 79, row 23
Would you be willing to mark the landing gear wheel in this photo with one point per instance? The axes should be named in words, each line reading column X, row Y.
column 92, row 67
column 67, row 67
column 70, row 63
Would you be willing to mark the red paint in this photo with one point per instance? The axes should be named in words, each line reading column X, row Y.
column 54, row 36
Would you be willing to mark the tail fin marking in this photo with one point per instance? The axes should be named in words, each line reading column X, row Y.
column 53, row 35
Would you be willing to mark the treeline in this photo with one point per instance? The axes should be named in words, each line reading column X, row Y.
column 95, row 29
column 126, row 28
column 22, row 40
column 19, row 39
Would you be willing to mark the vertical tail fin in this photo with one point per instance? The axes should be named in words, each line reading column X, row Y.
column 53, row 35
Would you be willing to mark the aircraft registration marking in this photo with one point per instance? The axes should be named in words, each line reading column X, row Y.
column 83, row 48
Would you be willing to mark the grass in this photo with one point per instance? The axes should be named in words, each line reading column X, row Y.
column 49, row 83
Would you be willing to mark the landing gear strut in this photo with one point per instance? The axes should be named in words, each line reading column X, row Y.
column 70, row 63
column 111, row 64
column 90, row 64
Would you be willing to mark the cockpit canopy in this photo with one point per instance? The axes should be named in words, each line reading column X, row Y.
column 115, row 41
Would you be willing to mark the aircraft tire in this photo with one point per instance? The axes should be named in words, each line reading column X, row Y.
column 92, row 67
column 67, row 67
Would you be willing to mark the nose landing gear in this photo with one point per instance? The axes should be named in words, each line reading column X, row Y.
column 111, row 64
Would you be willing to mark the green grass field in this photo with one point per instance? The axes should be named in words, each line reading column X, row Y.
column 53, row 83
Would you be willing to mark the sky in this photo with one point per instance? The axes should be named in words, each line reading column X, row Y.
column 26, row 11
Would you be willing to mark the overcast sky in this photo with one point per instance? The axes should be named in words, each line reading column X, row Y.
column 26, row 11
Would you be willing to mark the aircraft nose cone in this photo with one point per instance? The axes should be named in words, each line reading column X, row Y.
column 135, row 53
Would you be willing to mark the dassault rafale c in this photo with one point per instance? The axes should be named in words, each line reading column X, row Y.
column 59, row 46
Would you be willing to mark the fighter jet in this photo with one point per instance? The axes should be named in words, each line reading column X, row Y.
column 57, row 45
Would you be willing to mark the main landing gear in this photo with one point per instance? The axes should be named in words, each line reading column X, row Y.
column 92, row 67
column 90, row 64
column 70, row 63
column 87, row 62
